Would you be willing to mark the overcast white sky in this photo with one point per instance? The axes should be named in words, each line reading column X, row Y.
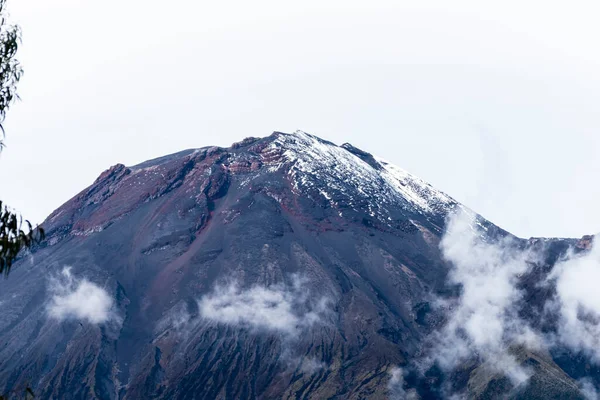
column 497, row 105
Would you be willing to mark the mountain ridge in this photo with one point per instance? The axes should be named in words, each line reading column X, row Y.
column 396, row 179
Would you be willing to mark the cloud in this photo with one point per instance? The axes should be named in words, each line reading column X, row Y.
column 286, row 309
column 578, row 301
column 395, row 386
column 483, row 322
column 298, row 363
column 79, row 299
column 178, row 319
column 282, row 308
column 588, row 389
column 311, row 366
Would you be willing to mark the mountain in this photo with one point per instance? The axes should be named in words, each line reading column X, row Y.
column 280, row 267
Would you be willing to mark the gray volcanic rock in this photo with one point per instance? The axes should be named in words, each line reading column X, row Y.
column 281, row 267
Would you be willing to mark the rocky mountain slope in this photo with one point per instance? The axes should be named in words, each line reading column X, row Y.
column 280, row 267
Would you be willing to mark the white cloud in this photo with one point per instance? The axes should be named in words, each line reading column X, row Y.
column 79, row 299
column 281, row 308
column 483, row 321
column 588, row 389
column 286, row 309
column 396, row 386
column 311, row 365
column 176, row 319
column 304, row 364
column 578, row 301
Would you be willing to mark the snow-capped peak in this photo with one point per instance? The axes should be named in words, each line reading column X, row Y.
column 344, row 174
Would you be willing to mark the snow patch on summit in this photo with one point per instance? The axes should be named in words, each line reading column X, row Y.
column 418, row 192
column 344, row 180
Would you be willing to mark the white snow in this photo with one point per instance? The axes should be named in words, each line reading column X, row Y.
column 337, row 174
column 415, row 190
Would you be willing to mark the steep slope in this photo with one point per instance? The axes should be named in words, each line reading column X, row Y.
column 281, row 267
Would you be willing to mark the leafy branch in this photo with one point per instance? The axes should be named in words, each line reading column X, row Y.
column 15, row 235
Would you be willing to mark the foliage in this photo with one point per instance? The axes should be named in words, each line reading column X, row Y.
column 10, row 68
column 13, row 236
